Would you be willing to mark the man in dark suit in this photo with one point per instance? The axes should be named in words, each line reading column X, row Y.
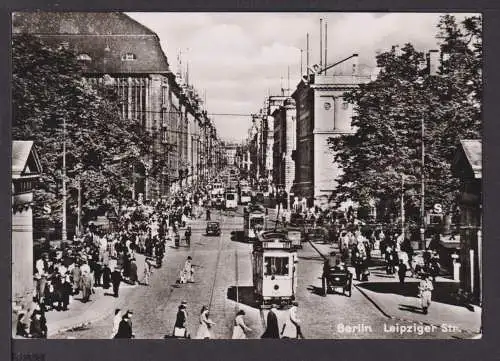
column 116, row 278
column 272, row 329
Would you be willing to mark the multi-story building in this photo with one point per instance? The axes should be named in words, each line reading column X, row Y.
column 118, row 52
column 273, row 103
column 231, row 150
column 322, row 113
column 26, row 169
column 284, row 145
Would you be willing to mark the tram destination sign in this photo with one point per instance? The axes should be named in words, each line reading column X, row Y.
column 277, row 244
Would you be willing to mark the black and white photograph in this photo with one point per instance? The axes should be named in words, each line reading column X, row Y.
column 246, row 175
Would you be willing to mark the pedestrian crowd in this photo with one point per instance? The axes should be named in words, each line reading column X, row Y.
column 106, row 258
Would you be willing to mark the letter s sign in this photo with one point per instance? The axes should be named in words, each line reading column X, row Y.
column 438, row 209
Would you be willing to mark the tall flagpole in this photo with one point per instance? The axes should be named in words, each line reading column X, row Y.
column 301, row 67
column 320, row 43
column 307, row 56
column 326, row 45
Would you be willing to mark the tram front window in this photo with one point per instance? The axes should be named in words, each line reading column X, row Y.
column 276, row 266
column 254, row 222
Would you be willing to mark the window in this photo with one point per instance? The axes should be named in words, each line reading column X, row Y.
column 83, row 57
column 254, row 222
column 230, row 197
column 64, row 45
column 128, row 57
column 276, row 266
column 345, row 105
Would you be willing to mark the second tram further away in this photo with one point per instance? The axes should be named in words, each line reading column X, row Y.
column 231, row 200
column 246, row 195
column 254, row 221
column 274, row 265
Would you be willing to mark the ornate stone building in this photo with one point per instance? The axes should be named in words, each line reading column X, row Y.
column 121, row 53
column 26, row 169
column 284, row 145
column 322, row 113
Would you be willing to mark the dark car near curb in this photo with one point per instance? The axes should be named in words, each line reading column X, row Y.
column 213, row 228
column 316, row 235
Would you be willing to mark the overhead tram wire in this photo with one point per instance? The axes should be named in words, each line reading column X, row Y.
column 214, row 114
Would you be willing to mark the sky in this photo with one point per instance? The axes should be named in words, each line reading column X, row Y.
column 236, row 59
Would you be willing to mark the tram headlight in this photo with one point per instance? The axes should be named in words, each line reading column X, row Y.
column 276, row 287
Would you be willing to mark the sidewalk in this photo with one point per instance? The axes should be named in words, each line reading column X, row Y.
column 400, row 302
column 101, row 305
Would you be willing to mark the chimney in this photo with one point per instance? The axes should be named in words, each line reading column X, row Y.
column 433, row 62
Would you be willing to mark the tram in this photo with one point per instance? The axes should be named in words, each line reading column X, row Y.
column 254, row 220
column 274, row 265
column 231, row 200
column 246, row 195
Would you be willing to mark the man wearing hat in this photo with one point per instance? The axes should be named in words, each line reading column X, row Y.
column 180, row 326
column 38, row 328
column 116, row 278
column 272, row 329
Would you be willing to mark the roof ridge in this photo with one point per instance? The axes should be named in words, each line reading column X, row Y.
column 122, row 14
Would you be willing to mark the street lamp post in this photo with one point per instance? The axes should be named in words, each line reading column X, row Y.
column 402, row 207
column 79, row 222
column 64, row 233
column 422, row 192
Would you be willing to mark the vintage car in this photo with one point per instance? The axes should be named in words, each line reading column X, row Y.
column 316, row 235
column 335, row 276
column 213, row 228
column 259, row 197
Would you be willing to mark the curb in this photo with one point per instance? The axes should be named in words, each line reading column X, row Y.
column 316, row 249
column 424, row 323
column 78, row 324
column 473, row 334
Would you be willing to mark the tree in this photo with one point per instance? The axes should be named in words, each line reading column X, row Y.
column 49, row 88
column 389, row 113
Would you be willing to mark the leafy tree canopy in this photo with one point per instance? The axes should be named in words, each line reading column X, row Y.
column 389, row 113
column 49, row 89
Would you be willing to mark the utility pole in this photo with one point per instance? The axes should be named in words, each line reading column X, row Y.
column 402, row 206
column 79, row 223
column 64, row 234
column 422, row 192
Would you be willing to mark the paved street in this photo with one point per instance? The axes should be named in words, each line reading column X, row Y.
column 224, row 274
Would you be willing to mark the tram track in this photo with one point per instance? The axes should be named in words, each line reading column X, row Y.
column 219, row 250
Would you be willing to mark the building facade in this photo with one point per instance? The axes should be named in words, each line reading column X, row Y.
column 467, row 166
column 26, row 169
column 284, row 145
column 118, row 52
column 321, row 113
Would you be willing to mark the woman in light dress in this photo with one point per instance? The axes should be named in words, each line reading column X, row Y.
column 205, row 325
column 240, row 328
